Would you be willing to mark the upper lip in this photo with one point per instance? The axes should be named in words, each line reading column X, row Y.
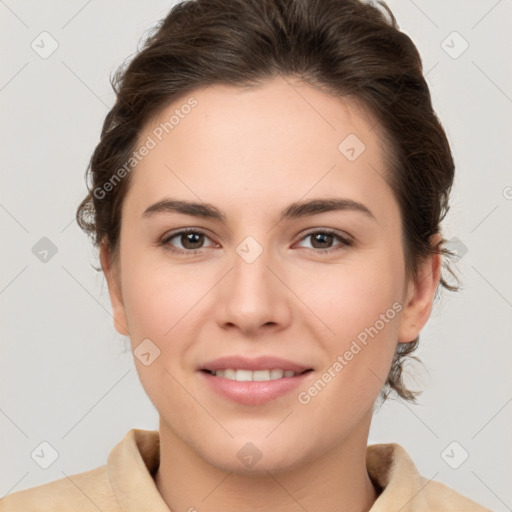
column 255, row 363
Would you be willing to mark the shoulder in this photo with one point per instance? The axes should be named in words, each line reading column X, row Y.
column 84, row 492
column 438, row 496
column 126, row 478
column 403, row 488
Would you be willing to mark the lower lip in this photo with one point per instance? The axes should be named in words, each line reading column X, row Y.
column 254, row 392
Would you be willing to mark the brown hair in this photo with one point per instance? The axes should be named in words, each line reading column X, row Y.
column 343, row 47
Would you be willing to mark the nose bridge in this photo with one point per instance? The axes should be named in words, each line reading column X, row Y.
column 252, row 295
column 251, row 278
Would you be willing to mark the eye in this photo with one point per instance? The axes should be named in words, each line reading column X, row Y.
column 323, row 240
column 191, row 241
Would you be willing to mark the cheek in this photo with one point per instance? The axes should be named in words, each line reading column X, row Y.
column 158, row 297
column 161, row 306
column 361, row 306
column 350, row 297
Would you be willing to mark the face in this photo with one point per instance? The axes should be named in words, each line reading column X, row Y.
column 257, row 274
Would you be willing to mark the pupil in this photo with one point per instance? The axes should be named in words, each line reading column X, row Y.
column 192, row 238
column 322, row 238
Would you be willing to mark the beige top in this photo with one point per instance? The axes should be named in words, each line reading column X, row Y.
column 125, row 484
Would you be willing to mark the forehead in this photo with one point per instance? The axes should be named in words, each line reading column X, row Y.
column 222, row 142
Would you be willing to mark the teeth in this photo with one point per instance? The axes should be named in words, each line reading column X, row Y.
column 276, row 374
column 227, row 374
column 257, row 375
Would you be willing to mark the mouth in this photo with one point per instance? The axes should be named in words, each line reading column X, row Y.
column 247, row 375
column 253, row 381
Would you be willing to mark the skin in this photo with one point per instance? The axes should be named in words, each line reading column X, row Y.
column 252, row 152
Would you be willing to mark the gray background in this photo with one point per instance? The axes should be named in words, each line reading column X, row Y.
column 65, row 376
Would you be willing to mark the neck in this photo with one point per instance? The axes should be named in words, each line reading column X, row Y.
column 335, row 481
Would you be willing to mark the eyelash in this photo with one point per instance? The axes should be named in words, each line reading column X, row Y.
column 345, row 242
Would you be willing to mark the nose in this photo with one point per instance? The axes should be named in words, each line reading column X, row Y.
column 253, row 296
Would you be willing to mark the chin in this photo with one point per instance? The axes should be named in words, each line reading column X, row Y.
column 258, row 455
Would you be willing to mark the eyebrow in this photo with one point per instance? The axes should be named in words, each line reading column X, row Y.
column 293, row 211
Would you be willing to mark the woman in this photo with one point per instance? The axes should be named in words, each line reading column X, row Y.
column 266, row 198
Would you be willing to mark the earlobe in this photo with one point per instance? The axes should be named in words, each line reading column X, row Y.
column 114, row 290
column 420, row 296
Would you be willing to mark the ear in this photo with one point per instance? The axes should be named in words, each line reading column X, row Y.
column 111, row 272
column 420, row 296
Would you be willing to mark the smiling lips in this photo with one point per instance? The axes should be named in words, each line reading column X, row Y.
column 253, row 381
column 256, row 363
column 257, row 375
